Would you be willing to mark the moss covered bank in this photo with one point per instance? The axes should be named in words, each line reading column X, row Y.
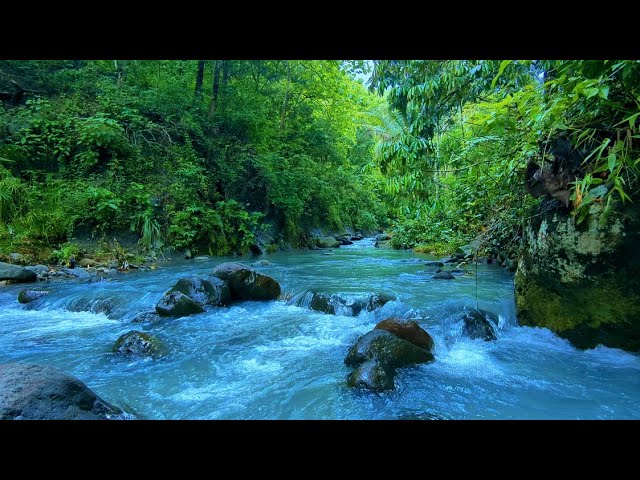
column 582, row 281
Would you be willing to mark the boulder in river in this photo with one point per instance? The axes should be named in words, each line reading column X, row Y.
column 480, row 324
column 177, row 304
column 443, row 276
column 261, row 263
column 387, row 349
column 379, row 300
column 38, row 392
column 326, row 242
column 433, row 264
column 246, row 283
column 28, row 295
column 139, row 344
column 16, row 274
column 205, row 291
column 357, row 237
column 372, row 375
column 335, row 304
column 408, row 330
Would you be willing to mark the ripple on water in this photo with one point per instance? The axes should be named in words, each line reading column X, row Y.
column 278, row 361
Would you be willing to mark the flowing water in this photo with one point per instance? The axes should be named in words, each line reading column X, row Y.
column 271, row 360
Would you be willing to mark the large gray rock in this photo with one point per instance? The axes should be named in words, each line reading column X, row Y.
column 247, row 284
column 372, row 375
column 38, row 269
column 205, row 291
column 16, row 274
column 177, row 304
column 76, row 272
column 139, row 344
column 387, row 349
column 38, row 392
column 28, row 295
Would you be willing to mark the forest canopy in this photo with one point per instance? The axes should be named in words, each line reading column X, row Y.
column 208, row 155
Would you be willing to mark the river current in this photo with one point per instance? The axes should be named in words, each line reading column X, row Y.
column 274, row 360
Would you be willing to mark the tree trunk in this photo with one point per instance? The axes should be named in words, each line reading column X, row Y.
column 120, row 65
column 286, row 98
column 216, row 87
column 226, row 72
column 199, row 79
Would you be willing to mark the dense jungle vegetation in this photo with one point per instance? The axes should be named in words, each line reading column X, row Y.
column 208, row 155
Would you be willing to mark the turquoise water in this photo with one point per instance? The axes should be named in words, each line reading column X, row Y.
column 270, row 360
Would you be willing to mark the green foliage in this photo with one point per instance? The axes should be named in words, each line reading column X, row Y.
column 66, row 252
column 459, row 135
column 114, row 146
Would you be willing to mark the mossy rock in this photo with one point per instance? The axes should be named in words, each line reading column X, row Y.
column 326, row 242
column 139, row 344
column 582, row 281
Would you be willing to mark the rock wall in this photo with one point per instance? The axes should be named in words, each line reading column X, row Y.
column 582, row 282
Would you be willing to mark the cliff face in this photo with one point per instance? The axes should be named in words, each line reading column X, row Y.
column 582, row 282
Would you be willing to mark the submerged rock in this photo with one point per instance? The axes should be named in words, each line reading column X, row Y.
column 480, row 324
column 16, row 274
column 146, row 317
column 139, row 344
column 434, row 264
column 387, row 349
column 177, row 304
column 443, row 276
column 246, row 283
column 408, row 330
column 38, row 392
column 211, row 291
column 372, row 375
column 26, row 296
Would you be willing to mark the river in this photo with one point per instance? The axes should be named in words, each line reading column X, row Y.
column 273, row 360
